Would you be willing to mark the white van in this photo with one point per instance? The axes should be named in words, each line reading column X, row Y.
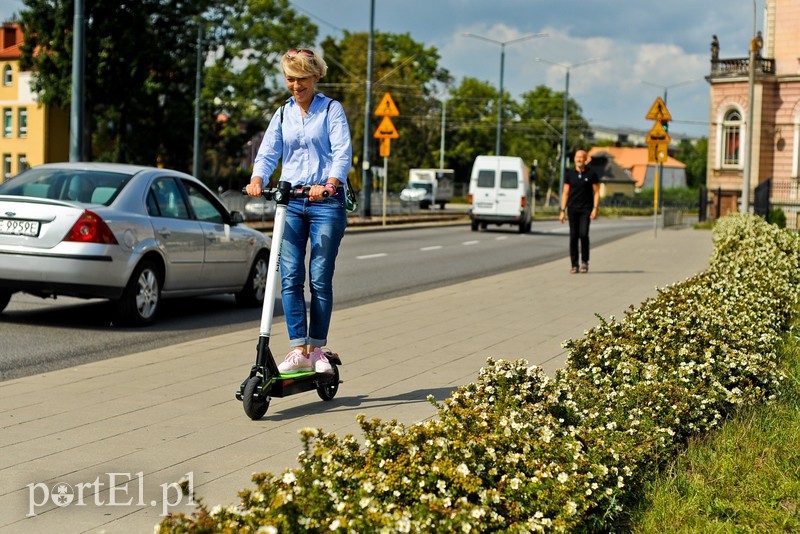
column 500, row 193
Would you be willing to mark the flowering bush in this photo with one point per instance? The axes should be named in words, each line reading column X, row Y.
column 517, row 451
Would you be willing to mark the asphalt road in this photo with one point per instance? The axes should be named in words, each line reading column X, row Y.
column 43, row 335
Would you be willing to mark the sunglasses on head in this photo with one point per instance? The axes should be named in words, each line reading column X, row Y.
column 300, row 51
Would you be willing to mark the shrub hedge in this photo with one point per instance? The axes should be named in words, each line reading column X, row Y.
column 518, row 451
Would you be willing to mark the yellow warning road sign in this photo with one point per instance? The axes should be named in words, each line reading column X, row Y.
column 658, row 135
column 386, row 130
column 659, row 111
column 387, row 108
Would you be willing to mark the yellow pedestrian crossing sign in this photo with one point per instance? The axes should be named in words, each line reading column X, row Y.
column 386, row 130
column 387, row 107
column 658, row 111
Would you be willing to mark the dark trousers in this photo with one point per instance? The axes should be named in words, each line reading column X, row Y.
column 578, row 231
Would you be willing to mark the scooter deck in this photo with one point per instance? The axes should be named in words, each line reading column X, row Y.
column 290, row 383
column 286, row 385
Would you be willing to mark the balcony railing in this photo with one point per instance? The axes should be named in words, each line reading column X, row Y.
column 741, row 66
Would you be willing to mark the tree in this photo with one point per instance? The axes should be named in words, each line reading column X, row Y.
column 410, row 73
column 139, row 73
column 140, row 65
column 243, row 84
column 695, row 157
column 471, row 124
column 538, row 130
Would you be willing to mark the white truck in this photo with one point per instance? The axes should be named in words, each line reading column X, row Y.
column 427, row 187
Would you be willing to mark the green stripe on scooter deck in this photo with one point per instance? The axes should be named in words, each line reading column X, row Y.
column 297, row 375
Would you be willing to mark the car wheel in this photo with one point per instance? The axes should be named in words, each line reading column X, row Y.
column 252, row 295
column 139, row 303
column 5, row 297
column 474, row 225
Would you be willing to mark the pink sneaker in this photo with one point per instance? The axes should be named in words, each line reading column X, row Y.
column 295, row 362
column 320, row 361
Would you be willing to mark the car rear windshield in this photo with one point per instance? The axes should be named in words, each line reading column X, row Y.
column 76, row 185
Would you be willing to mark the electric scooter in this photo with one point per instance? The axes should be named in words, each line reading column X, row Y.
column 265, row 380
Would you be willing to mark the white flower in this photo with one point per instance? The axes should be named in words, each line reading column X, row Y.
column 571, row 508
column 477, row 513
column 462, row 469
column 289, row 478
column 563, row 477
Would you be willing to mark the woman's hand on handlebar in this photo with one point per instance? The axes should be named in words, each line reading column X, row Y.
column 317, row 192
column 254, row 188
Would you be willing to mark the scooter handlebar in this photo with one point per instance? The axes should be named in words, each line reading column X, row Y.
column 302, row 192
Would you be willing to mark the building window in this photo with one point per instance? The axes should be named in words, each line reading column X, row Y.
column 731, row 139
column 7, row 121
column 22, row 122
column 22, row 163
column 8, row 75
column 6, row 166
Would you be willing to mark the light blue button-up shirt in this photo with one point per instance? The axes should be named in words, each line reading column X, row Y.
column 312, row 149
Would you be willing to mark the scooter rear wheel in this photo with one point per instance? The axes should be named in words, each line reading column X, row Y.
column 254, row 408
column 328, row 390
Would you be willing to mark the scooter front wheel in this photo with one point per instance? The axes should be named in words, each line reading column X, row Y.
column 327, row 391
column 254, row 407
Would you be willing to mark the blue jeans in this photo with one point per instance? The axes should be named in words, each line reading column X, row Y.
column 320, row 223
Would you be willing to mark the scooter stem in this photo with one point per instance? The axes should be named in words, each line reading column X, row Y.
column 281, row 198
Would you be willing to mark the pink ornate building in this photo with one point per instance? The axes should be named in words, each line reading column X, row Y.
column 775, row 162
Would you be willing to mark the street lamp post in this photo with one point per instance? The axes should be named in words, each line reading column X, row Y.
column 751, row 84
column 567, row 68
column 502, row 64
column 665, row 87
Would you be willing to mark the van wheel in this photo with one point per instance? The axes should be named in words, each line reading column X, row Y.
column 474, row 226
column 522, row 227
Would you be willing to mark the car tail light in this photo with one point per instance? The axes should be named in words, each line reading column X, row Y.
column 90, row 228
column 522, row 202
column 470, row 198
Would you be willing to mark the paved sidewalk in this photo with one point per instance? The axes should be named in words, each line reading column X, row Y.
column 158, row 416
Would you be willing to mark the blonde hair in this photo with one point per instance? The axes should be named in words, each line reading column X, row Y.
column 302, row 63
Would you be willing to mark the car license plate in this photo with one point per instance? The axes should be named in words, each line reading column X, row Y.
column 19, row 227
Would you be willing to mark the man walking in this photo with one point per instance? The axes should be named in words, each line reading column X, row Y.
column 580, row 202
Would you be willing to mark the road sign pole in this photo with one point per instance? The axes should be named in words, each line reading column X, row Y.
column 655, row 202
column 385, row 180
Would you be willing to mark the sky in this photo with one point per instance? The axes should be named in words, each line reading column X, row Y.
column 635, row 49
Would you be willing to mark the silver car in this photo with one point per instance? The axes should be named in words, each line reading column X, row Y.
column 127, row 233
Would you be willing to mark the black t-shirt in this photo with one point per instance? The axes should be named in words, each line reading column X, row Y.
column 581, row 192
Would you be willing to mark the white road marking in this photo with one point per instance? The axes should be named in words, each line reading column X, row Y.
column 467, row 243
column 435, row 247
column 371, row 256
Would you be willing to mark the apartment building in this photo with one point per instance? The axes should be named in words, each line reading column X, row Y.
column 32, row 133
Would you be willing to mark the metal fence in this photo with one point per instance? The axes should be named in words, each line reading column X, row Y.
column 785, row 195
